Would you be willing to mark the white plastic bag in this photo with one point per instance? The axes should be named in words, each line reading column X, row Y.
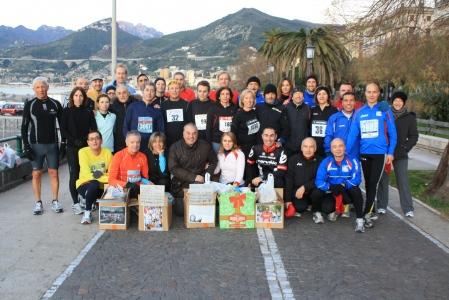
column 217, row 187
column 8, row 156
column 266, row 192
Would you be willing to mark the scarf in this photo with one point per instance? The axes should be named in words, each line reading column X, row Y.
column 398, row 113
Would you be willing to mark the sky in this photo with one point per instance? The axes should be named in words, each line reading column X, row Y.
column 165, row 16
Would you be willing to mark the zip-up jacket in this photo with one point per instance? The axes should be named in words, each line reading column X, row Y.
column 309, row 99
column 231, row 167
column 297, row 118
column 300, row 172
column 119, row 109
column 176, row 114
column 374, row 129
column 318, row 124
column 105, row 125
column 199, row 111
column 270, row 115
column 219, row 120
column 246, row 126
column 265, row 160
column 127, row 168
column 76, row 124
column 338, row 126
column 330, row 172
column 407, row 134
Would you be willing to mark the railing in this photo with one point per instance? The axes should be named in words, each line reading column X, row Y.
column 432, row 127
column 18, row 146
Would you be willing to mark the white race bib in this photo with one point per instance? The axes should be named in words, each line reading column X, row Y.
column 369, row 129
column 175, row 115
column 201, row 121
column 253, row 126
column 225, row 124
column 145, row 124
column 133, row 176
column 319, row 128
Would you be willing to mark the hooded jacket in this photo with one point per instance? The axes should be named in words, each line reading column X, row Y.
column 407, row 134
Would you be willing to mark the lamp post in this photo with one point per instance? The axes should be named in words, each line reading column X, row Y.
column 310, row 54
column 271, row 71
column 113, row 39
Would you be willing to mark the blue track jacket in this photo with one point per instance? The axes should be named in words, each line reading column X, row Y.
column 329, row 173
column 338, row 126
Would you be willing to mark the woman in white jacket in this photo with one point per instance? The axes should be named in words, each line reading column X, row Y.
column 231, row 161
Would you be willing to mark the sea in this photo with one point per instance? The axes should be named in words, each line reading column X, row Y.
column 23, row 90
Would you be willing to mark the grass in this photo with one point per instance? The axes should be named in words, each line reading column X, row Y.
column 418, row 184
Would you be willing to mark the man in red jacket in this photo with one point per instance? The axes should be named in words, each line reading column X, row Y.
column 186, row 93
column 224, row 80
column 345, row 87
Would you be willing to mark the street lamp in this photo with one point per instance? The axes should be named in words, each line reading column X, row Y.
column 270, row 70
column 310, row 54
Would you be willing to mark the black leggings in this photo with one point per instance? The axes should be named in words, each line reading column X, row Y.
column 74, row 170
column 321, row 201
column 373, row 167
column 91, row 192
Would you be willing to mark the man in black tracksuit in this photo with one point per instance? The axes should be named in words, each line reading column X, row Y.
column 268, row 158
column 200, row 107
column 269, row 113
column 118, row 107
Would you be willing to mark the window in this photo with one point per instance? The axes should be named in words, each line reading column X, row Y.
column 429, row 18
column 412, row 18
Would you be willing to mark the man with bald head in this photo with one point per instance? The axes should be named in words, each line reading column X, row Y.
column 189, row 160
column 340, row 176
column 119, row 107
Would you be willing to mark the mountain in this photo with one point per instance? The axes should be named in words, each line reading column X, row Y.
column 139, row 30
column 80, row 44
column 22, row 36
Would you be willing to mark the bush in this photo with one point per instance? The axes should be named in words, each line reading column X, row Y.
column 435, row 99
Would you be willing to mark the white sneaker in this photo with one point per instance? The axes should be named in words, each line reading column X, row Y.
column 76, row 209
column 318, row 218
column 56, row 207
column 87, row 217
column 332, row 217
column 359, row 225
column 368, row 221
column 409, row 214
column 38, row 210
column 381, row 211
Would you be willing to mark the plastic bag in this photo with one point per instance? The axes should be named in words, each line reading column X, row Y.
column 217, row 187
column 8, row 156
column 266, row 192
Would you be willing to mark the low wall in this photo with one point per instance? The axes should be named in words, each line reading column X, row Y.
column 10, row 178
column 432, row 143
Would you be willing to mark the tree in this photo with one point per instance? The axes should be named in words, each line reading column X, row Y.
column 249, row 63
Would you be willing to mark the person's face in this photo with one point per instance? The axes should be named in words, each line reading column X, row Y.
column 94, row 141
column 133, row 144
column 142, row 81
column 120, row 75
column 149, row 93
column 40, row 90
column 285, row 87
column 97, row 84
column 269, row 137
column 344, row 88
column 158, row 146
column 248, row 101
column 322, row 97
column 173, row 90
column 298, row 98
column 78, row 98
column 253, row 86
column 311, row 85
column 111, row 93
column 308, row 148
column 338, row 148
column 225, row 97
column 372, row 93
column 190, row 135
column 122, row 95
column 202, row 92
column 227, row 143
column 270, row 97
column 103, row 104
column 160, row 86
column 82, row 83
column 348, row 103
column 180, row 79
column 398, row 104
column 224, row 80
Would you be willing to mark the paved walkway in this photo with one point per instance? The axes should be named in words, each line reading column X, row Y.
column 304, row 261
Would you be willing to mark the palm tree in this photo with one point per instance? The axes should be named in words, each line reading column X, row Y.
column 288, row 50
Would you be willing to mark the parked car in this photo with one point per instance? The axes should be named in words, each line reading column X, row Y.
column 13, row 109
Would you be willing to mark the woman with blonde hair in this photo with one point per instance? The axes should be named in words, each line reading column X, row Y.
column 231, row 161
column 157, row 160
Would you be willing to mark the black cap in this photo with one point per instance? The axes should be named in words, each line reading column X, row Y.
column 111, row 87
column 399, row 94
column 270, row 88
column 159, row 78
column 253, row 79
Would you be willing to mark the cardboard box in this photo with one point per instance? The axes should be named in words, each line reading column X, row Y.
column 199, row 209
column 271, row 215
column 237, row 210
column 113, row 213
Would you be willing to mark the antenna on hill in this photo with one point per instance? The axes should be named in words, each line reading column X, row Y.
column 113, row 38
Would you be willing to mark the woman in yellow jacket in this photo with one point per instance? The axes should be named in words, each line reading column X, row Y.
column 94, row 166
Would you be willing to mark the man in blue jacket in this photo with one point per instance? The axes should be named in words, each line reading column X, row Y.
column 373, row 127
column 340, row 175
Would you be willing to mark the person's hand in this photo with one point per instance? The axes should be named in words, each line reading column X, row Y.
column 337, row 189
column 62, row 150
column 28, row 152
column 199, row 179
column 300, row 192
column 256, row 181
column 97, row 174
column 390, row 159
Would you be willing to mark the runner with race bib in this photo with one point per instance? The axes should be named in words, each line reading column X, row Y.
column 200, row 107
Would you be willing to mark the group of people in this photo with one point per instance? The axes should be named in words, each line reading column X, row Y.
column 166, row 134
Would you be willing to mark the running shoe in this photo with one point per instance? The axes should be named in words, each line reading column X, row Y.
column 332, row 217
column 297, row 215
column 82, row 202
column 318, row 218
column 76, row 209
column 409, row 214
column 38, row 209
column 309, row 207
column 368, row 221
column 381, row 211
column 87, row 217
column 347, row 212
column 359, row 225
column 56, row 207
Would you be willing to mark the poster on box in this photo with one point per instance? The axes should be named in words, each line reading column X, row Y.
column 269, row 213
column 201, row 213
column 112, row 215
column 237, row 210
column 153, row 218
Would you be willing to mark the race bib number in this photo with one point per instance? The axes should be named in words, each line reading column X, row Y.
column 175, row 115
column 369, row 129
column 201, row 121
column 133, row 176
column 145, row 124
column 253, row 126
column 225, row 124
column 319, row 128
